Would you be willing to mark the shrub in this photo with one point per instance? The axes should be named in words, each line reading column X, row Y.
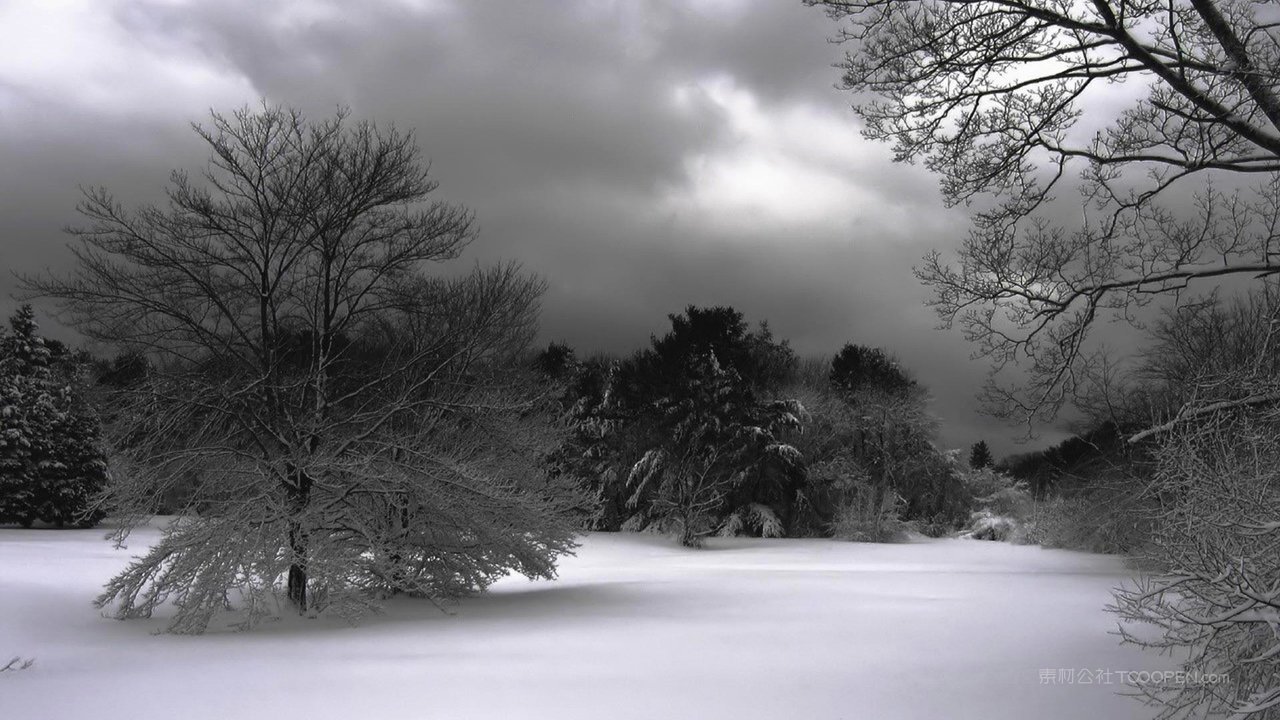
column 871, row 515
column 986, row 525
column 1102, row 521
column 1002, row 503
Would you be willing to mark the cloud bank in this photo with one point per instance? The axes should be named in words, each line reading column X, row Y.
column 640, row 155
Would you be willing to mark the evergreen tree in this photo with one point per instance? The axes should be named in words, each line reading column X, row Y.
column 893, row 435
column 681, row 437
column 556, row 361
column 857, row 367
column 980, row 455
column 603, row 435
column 51, row 463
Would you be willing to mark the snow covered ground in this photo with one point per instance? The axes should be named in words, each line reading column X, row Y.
column 635, row 627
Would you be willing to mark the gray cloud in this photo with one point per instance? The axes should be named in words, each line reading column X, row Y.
column 639, row 155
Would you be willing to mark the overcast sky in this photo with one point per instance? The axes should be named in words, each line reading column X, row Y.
column 641, row 155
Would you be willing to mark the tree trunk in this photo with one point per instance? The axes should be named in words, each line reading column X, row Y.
column 298, row 568
column 399, row 573
column 299, row 495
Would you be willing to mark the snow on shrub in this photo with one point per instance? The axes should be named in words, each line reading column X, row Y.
column 985, row 525
column 1002, row 505
column 871, row 515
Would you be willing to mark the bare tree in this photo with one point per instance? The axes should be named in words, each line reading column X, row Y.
column 1213, row 598
column 1208, row 502
column 1178, row 376
column 329, row 398
column 1006, row 98
column 1014, row 101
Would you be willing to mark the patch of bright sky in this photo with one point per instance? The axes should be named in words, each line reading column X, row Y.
column 79, row 54
column 718, row 7
column 777, row 167
column 429, row 7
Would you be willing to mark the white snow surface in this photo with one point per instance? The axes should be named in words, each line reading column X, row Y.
column 635, row 627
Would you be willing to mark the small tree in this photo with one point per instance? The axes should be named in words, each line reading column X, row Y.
column 335, row 405
column 869, row 454
column 829, row 445
column 51, row 461
column 980, row 455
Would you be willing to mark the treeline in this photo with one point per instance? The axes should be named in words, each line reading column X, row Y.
column 715, row 428
column 1198, row 401
column 336, row 422
column 719, row 428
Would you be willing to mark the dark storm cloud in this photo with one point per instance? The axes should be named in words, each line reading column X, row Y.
column 639, row 155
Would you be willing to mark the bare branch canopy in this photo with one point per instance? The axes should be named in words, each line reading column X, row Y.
column 1165, row 115
column 332, row 405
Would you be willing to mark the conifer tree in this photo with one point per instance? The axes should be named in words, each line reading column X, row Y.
column 51, row 463
column 857, row 367
column 681, row 437
column 980, row 455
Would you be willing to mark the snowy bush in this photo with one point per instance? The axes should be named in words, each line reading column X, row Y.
column 752, row 518
column 987, row 525
column 871, row 515
column 1103, row 520
column 1014, row 501
column 984, row 481
column 1002, row 505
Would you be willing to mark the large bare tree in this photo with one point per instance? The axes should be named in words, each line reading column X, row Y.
column 332, row 406
column 1209, row 502
column 1165, row 114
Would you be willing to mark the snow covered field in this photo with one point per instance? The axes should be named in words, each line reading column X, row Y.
column 635, row 627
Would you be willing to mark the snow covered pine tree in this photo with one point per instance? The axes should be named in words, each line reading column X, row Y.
column 681, row 439
column 51, row 463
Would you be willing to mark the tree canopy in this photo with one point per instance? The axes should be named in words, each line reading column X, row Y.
column 857, row 367
column 980, row 455
column 686, row 435
column 336, row 402
column 1163, row 114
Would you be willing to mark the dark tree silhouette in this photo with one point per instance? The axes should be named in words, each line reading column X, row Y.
column 556, row 361
column 684, row 435
column 980, row 455
column 857, row 367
